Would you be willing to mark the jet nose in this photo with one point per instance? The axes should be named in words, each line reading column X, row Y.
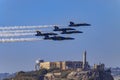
column 80, row 31
column 89, row 24
column 72, row 38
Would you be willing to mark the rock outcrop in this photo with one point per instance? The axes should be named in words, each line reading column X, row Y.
column 90, row 75
column 64, row 75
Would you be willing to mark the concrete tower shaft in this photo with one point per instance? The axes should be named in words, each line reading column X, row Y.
column 84, row 59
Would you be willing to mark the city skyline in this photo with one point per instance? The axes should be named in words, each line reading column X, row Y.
column 101, row 40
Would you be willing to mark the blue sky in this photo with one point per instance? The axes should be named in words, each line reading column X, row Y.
column 101, row 40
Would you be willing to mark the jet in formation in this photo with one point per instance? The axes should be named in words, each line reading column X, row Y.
column 56, row 28
column 66, row 30
column 72, row 24
column 54, row 36
column 60, row 38
column 71, row 32
column 44, row 34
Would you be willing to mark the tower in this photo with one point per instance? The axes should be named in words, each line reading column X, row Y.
column 84, row 60
column 37, row 64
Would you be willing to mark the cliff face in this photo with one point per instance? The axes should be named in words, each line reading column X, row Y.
column 64, row 75
column 32, row 75
column 90, row 75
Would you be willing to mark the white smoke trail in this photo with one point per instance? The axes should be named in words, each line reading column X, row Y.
column 25, row 27
column 16, row 34
column 18, row 40
column 17, row 31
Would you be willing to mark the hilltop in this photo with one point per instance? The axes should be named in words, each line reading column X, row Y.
column 65, row 70
column 57, row 74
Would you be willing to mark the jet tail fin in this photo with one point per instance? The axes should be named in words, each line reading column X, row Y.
column 56, row 27
column 38, row 32
column 71, row 23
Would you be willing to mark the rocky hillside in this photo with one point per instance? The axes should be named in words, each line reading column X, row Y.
column 31, row 75
column 63, row 75
column 90, row 75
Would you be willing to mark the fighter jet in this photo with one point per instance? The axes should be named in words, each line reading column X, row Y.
column 44, row 34
column 59, row 38
column 56, row 28
column 72, row 24
column 71, row 32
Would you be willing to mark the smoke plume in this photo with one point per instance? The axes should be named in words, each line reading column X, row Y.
column 24, row 27
column 15, row 34
column 3, row 40
column 16, row 31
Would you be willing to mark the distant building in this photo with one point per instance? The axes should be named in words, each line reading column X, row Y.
column 99, row 67
column 63, row 65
